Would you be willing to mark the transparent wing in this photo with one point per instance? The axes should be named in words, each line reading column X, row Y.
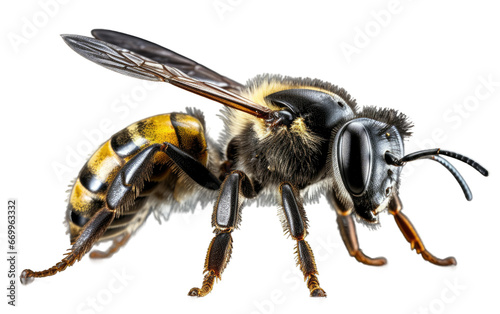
column 132, row 64
column 167, row 57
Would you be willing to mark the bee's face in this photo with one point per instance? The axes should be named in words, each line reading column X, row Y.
column 366, row 176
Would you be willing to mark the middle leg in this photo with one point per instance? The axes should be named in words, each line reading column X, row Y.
column 225, row 218
column 295, row 223
column 115, row 246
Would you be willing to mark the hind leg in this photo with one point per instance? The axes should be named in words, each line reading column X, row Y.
column 123, row 227
column 120, row 194
column 92, row 231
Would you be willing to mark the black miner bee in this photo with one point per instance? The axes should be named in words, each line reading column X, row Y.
column 286, row 142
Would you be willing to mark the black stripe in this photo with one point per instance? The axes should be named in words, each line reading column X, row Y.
column 183, row 130
column 177, row 125
column 88, row 208
column 91, row 182
column 75, row 217
column 123, row 145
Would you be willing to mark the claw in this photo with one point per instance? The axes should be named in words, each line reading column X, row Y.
column 318, row 293
column 377, row 261
column 449, row 261
column 194, row 292
column 27, row 277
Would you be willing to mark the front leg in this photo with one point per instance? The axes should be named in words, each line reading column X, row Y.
column 294, row 222
column 347, row 230
column 225, row 218
column 411, row 234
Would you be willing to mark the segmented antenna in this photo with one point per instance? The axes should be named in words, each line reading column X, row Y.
column 455, row 173
column 438, row 151
column 433, row 155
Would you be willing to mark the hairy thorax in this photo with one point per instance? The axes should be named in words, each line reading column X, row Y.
column 270, row 156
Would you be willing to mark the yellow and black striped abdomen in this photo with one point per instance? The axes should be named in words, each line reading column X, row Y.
column 89, row 191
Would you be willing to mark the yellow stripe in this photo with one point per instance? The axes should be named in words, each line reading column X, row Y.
column 84, row 202
column 157, row 129
column 104, row 164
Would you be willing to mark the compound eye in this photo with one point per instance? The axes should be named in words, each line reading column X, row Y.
column 354, row 156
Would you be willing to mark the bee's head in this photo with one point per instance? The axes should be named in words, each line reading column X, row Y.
column 367, row 156
column 364, row 181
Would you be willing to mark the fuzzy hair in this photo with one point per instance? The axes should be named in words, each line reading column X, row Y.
column 271, row 83
column 256, row 90
column 390, row 117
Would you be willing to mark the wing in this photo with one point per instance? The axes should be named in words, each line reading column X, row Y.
column 132, row 64
column 167, row 57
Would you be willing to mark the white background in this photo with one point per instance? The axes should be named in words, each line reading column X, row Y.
column 425, row 58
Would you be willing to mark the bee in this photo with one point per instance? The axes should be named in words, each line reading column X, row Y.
column 286, row 142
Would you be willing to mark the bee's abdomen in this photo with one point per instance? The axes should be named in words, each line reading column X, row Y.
column 89, row 191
